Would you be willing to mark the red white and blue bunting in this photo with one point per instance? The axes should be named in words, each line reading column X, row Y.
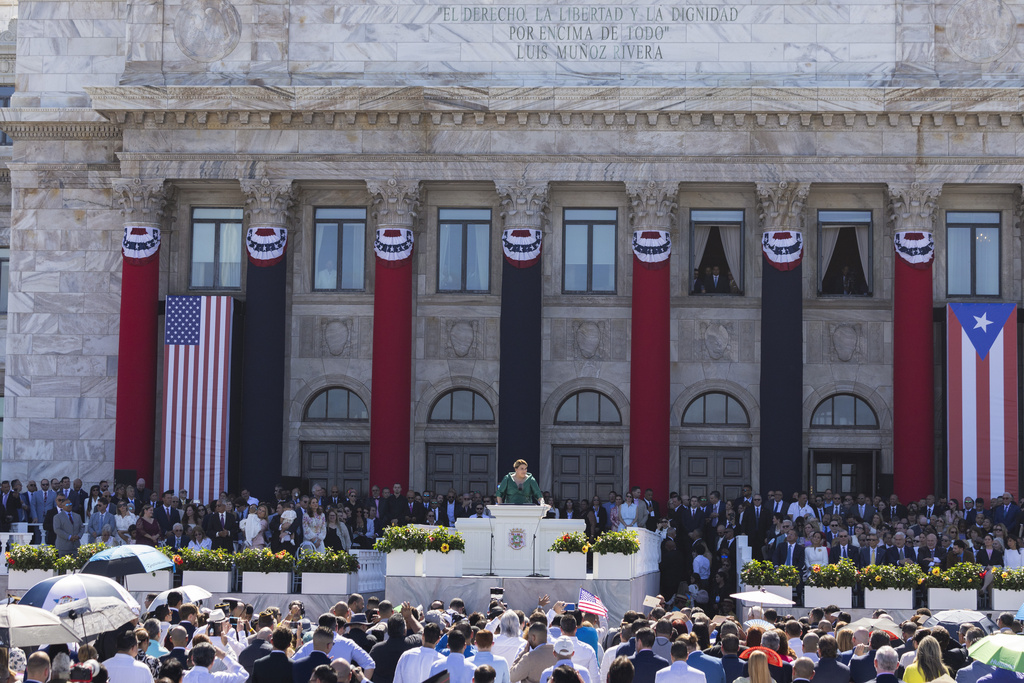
column 393, row 246
column 140, row 244
column 784, row 249
column 917, row 248
column 266, row 246
column 652, row 247
column 521, row 246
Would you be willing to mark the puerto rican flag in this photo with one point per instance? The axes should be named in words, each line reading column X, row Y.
column 981, row 392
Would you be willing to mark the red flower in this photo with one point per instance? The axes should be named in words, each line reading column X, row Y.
column 178, row 561
column 565, row 537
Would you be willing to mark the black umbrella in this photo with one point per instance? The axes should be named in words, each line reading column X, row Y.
column 127, row 559
column 952, row 618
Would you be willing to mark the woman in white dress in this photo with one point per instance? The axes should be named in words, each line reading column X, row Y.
column 817, row 553
column 627, row 512
column 124, row 519
column 1012, row 557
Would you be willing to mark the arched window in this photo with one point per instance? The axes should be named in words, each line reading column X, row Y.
column 715, row 408
column 337, row 403
column 588, row 407
column 844, row 410
column 462, row 405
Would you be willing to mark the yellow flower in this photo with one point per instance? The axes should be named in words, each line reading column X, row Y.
column 1006, row 575
column 444, row 548
column 816, row 568
column 936, row 571
column 921, row 580
column 878, row 579
column 586, row 548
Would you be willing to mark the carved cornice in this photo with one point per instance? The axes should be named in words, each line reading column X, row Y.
column 524, row 204
column 267, row 202
column 395, row 202
column 652, row 204
column 142, row 201
column 912, row 205
column 781, row 205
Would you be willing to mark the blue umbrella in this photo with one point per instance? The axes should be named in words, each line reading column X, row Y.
column 127, row 559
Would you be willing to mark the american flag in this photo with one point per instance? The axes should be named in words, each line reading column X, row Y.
column 981, row 379
column 589, row 602
column 197, row 383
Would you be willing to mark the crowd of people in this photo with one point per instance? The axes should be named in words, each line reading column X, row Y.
column 374, row 640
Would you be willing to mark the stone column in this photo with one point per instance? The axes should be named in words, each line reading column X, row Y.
column 395, row 204
column 524, row 207
column 652, row 214
column 912, row 209
column 781, row 209
column 263, row 359
column 142, row 205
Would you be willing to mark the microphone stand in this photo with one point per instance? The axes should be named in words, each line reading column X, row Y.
column 544, row 511
column 490, row 562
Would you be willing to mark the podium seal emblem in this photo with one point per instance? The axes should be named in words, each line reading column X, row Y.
column 516, row 538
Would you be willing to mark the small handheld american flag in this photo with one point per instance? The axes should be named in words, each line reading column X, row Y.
column 589, row 602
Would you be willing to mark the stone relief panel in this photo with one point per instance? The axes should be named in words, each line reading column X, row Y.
column 461, row 338
column 333, row 337
column 207, row 30
column 336, row 335
column 717, row 341
column 846, row 342
column 979, row 31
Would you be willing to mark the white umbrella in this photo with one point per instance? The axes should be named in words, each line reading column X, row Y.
column 24, row 625
column 763, row 597
column 89, row 617
column 51, row 592
column 189, row 593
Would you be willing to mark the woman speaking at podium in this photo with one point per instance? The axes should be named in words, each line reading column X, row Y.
column 519, row 487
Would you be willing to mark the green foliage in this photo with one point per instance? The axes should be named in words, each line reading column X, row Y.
column 879, row 576
column 840, row 575
column 200, row 560
column 264, row 561
column 764, row 573
column 617, row 542
column 25, row 557
column 576, row 542
column 963, row 576
column 1009, row 579
column 402, row 538
column 331, row 562
column 444, row 540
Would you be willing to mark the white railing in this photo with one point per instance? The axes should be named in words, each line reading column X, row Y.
column 649, row 557
column 371, row 571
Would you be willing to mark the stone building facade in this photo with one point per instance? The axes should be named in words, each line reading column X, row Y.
column 847, row 122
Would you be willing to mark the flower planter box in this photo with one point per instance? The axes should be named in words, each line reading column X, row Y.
column 23, row 580
column 946, row 598
column 266, row 582
column 567, row 565
column 889, row 598
column 613, row 566
column 322, row 583
column 436, row 563
column 215, row 582
column 822, row 597
column 153, row 581
column 1004, row 600
column 404, row 563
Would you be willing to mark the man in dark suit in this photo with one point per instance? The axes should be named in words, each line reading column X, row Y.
column 165, row 514
column 931, row 554
column 885, row 665
column 894, row 511
column 716, row 283
column 1005, row 512
column 410, row 512
column 803, row 670
column 323, row 641
column 908, row 629
column 843, row 549
column 789, row 552
column 258, row 649
column 863, row 510
column 387, row 653
column 275, row 667
column 179, row 638
column 646, row 664
column 731, row 661
column 829, row 669
column 970, row 511
column 862, row 667
column 691, row 518
column 900, row 553
column 755, row 523
column 10, row 504
column 221, row 528
column 653, row 510
column 871, row 553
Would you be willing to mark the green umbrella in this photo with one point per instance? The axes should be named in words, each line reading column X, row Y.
column 1003, row 650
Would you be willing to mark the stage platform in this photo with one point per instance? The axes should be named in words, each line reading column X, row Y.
column 522, row 592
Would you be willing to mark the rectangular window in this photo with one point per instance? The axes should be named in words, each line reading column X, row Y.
column 339, row 244
column 589, row 251
column 463, row 250
column 716, row 255
column 5, row 102
column 972, row 253
column 844, row 253
column 5, row 278
column 216, row 248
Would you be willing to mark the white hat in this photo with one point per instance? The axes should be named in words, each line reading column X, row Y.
column 216, row 616
column 564, row 646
